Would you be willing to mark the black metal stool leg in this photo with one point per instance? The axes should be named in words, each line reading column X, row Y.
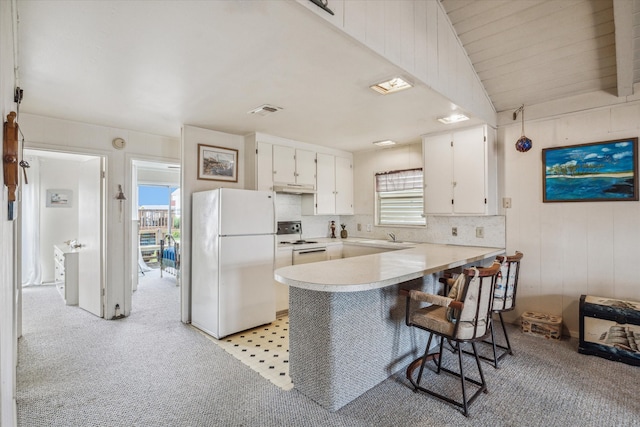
column 424, row 359
column 482, row 381
column 493, row 344
column 465, row 405
column 506, row 337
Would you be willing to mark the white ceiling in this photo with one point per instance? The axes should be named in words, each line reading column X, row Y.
column 155, row 65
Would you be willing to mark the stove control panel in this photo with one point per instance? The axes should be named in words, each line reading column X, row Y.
column 289, row 227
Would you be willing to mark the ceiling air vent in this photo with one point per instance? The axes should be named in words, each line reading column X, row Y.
column 265, row 109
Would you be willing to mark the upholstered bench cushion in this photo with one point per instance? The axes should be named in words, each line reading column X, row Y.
column 434, row 318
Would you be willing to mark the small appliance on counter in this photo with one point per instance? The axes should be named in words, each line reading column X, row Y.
column 233, row 251
column 304, row 251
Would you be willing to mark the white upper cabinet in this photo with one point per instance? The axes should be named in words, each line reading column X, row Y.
column 334, row 192
column 264, row 166
column 305, row 167
column 274, row 163
column 455, row 172
column 437, row 174
column 344, row 186
column 294, row 166
column 284, row 164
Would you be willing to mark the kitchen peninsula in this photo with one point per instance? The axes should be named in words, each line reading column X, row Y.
column 346, row 318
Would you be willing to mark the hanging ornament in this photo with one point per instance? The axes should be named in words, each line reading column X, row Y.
column 523, row 144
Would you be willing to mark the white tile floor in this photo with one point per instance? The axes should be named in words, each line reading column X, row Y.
column 264, row 349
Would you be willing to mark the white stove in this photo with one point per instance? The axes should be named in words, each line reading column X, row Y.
column 304, row 251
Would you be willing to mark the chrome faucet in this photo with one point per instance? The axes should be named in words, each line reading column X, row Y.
column 393, row 236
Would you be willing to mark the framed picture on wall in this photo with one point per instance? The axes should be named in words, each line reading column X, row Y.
column 595, row 172
column 59, row 198
column 217, row 163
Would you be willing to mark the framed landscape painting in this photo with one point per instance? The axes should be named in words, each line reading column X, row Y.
column 217, row 163
column 595, row 172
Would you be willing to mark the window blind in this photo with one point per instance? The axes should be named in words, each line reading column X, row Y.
column 399, row 197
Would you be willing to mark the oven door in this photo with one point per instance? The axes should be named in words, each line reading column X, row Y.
column 307, row 255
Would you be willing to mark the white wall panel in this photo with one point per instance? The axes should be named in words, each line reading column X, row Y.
column 418, row 37
column 579, row 128
column 420, row 45
column 570, row 248
column 407, row 35
column 445, row 60
column 432, row 42
column 355, row 19
column 375, row 29
column 463, row 86
column 626, row 247
column 393, row 30
column 600, row 247
column 626, row 118
column 62, row 135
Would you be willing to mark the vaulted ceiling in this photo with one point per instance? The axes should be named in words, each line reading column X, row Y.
column 533, row 51
column 155, row 65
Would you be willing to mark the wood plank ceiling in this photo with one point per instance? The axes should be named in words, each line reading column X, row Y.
column 533, row 51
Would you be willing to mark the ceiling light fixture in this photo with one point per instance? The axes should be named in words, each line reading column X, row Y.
column 453, row 118
column 264, row 109
column 385, row 143
column 393, row 85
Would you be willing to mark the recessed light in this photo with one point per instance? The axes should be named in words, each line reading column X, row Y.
column 385, row 143
column 453, row 118
column 393, row 85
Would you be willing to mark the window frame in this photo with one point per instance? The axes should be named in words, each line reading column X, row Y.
column 402, row 193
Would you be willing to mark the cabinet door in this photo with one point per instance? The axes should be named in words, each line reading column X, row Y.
column 264, row 165
column 469, row 196
column 344, row 186
column 284, row 164
column 306, row 167
column 334, row 251
column 284, row 258
column 438, row 174
column 326, row 184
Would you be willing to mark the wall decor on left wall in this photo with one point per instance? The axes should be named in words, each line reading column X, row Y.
column 59, row 198
column 217, row 163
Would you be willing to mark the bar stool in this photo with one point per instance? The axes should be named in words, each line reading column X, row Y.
column 463, row 317
column 504, row 299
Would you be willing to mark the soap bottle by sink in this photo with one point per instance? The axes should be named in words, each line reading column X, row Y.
column 343, row 232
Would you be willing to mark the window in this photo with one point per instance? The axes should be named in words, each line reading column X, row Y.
column 399, row 197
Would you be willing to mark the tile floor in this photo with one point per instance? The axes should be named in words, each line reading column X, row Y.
column 264, row 349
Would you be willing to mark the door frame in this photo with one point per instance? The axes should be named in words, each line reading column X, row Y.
column 103, row 253
column 131, row 244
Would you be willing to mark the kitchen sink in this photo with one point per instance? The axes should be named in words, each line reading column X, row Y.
column 383, row 242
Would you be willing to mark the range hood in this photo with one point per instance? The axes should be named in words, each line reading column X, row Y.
column 294, row 189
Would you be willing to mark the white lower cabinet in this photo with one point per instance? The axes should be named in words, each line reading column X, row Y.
column 66, row 273
column 284, row 258
column 334, row 251
column 349, row 251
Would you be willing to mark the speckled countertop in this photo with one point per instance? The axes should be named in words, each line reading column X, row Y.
column 376, row 271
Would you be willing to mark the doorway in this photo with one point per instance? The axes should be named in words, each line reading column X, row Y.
column 62, row 226
column 155, row 226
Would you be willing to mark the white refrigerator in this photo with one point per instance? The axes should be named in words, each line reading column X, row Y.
column 233, row 252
